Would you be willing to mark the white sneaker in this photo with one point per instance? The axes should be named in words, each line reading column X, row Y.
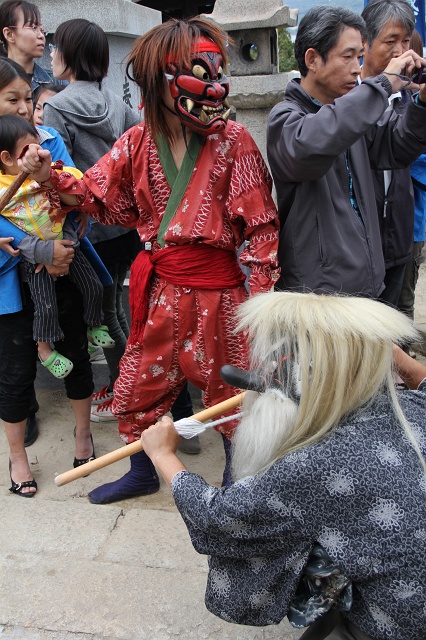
column 99, row 397
column 96, row 354
column 103, row 413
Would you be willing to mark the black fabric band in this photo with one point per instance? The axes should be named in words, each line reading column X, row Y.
column 386, row 84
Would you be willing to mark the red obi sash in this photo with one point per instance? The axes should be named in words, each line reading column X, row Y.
column 195, row 266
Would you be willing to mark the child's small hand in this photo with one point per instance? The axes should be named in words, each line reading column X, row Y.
column 36, row 162
column 6, row 246
column 83, row 222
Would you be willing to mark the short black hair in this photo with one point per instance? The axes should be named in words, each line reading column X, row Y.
column 48, row 86
column 84, row 48
column 378, row 13
column 320, row 29
column 10, row 70
column 9, row 16
column 12, row 129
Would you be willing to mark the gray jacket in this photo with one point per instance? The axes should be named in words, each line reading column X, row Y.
column 90, row 118
column 325, row 245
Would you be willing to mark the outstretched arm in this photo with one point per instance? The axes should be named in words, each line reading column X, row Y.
column 37, row 162
column 106, row 191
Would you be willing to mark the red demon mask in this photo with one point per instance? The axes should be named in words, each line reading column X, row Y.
column 200, row 93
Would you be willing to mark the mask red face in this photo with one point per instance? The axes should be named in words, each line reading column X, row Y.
column 200, row 94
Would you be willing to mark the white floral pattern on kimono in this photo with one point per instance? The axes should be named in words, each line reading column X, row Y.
column 359, row 492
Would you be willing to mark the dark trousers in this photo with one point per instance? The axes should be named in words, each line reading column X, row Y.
column 332, row 626
column 394, row 278
column 115, row 318
column 117, row 254
column 411, row 275
column 46, row 327
column 182, row 406
column 18, row 353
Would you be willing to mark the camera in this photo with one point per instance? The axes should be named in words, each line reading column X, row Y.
column 420, row 76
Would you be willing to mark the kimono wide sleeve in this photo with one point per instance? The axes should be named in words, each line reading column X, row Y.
column 250, row 198
column 257, row 541
column 106, row 190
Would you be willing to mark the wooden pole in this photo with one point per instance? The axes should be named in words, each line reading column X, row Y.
column 12, row 189
column 134, row 447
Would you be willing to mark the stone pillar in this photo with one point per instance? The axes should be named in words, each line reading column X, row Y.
column 253, row 98
column 122, row 21
column 255, row 84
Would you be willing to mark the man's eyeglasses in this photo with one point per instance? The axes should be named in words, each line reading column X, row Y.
column 36, row 28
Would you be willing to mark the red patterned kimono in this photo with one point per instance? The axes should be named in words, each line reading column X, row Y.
column 189, row 332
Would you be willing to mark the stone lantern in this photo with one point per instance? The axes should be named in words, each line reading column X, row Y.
column 255, row 83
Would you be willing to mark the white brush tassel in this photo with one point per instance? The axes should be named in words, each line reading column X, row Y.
column 188, row 427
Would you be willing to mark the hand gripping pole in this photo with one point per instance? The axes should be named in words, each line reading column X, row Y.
column 134, row 447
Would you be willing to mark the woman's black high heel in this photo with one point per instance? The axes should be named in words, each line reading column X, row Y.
column 18, row 486
column 78, row 462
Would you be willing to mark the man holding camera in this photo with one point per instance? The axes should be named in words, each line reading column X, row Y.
column 389, row 25
column 323, row 140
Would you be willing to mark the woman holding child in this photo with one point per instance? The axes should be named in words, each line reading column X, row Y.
column 18, row 350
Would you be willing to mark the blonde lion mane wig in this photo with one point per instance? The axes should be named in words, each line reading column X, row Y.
column 331, row 356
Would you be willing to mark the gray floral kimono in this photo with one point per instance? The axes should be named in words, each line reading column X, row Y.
column 360, row 493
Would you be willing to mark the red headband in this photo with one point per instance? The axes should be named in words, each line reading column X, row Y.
column 201, row 45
